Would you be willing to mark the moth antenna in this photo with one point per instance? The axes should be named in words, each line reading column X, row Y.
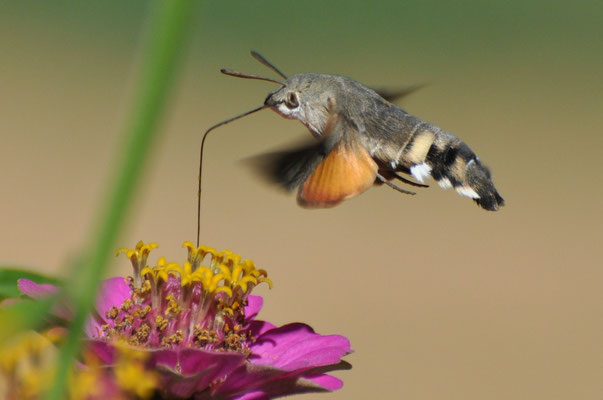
column 201, row 162
column 267, row 63
column 247, row 76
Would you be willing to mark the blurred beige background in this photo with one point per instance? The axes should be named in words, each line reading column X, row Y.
column 440, row 299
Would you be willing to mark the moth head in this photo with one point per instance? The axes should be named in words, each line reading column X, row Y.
column 306, row 97
column 285, row 101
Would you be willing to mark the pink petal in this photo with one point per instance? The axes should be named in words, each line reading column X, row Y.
column 190, row 370
column 296, row 346
column 264, row 382
column 36, row 290
column 112, row 293
column 42, row 290
column 103, row 350
column 93, row 327
column 213, row 364
column 253, row 307
column 255, row 395
column 174, row 385
column 258, row 328
column 247, row 378
column 326, row 381
column 166, row 357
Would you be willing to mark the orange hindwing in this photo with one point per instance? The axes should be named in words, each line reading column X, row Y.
column 346, row 171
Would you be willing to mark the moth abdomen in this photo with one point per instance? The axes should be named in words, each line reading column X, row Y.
column 432, row 152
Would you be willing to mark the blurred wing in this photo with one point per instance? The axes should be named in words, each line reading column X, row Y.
column 290, row 168
column 347, row 171
column 393, row 95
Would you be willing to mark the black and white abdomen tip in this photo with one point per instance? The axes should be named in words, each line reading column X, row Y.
column 453, row 165
column 478, row 177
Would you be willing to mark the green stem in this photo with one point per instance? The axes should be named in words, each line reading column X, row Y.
column 167, row 31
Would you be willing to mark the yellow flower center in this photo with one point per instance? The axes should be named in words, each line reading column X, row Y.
column 197, row 303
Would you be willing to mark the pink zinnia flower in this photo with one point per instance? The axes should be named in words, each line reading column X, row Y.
column 194, row 328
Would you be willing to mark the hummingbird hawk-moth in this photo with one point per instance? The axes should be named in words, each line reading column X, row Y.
column 362, row 139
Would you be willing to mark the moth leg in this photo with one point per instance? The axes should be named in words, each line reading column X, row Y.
column 403, row 179
column 393, row 186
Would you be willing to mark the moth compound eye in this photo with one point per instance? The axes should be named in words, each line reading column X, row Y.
column 292, row 101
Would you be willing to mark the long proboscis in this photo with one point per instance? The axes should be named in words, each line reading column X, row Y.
column 201, row 161
column 249, row 76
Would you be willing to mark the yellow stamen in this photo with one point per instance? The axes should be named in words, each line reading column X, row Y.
column 213, row 282
column 268, row 281
column 157, row 273
column 228, row 310
column 224, row 289
column 230, row 258
column 236, row 272
column 138, row 258
column 197, row 254
column 185, row 272
column 141, row 249
column 244, row 281
column 173, row 308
